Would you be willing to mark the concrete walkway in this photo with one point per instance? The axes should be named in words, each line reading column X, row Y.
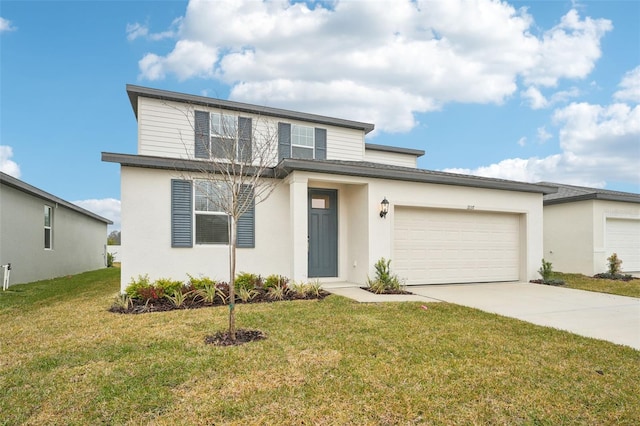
column 602, row 316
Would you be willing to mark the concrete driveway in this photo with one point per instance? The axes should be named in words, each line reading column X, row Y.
column 598, row 315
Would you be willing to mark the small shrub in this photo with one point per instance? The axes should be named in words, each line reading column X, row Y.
column 299, row 288
column 200, row 283
column 177, row 298
column 248, row 281
column 546, row 270
column 275, row 280
column 110, row 258
column 615, row 264
column 277, row 293
column 314, row 288
column 121, row 302
column 384, row 280
column 207, row 293
column 617, row 277
column 222, row 291
column 135, row 286
column 247, row 295
column 150, row 293
column 168, row 286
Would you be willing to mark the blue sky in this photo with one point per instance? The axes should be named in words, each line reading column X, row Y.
column 522, row 90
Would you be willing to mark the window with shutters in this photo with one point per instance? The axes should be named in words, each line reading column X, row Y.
column 222, row 136
column 212, row 223
column 302, row 142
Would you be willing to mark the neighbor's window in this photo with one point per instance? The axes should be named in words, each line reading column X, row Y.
column 48, row 227
column 224, row 134
column 212, row 223
column 302, row 141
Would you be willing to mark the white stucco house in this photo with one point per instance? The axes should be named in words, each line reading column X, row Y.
column 323, row 220
column 43, row 236
column 583, row 226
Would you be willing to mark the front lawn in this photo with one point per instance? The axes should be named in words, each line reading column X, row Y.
column 64, row 359
column 583, row 282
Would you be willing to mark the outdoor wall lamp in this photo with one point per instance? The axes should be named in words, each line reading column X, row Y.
column 384, row 207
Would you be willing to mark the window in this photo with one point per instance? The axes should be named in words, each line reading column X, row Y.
column 302, row 142
column 212, row 224
column 222, row 136
column 48, row 228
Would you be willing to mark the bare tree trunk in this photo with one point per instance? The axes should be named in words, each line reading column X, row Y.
column 232, row 279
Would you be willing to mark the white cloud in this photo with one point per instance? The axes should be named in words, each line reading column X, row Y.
column 522, row 141
column 543, row 135
column 379, row 61
column 6, row 25
column 138, row 30
column 629, row 87
column 598, row 143
column 7, row 165
column 537, row 100
column 108, row 208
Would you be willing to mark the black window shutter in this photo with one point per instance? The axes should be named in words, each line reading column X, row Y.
column 244, row 139
column 202, row 133
column 181, row 214
column 247, row 222
column 284, row 141
column 321, row 144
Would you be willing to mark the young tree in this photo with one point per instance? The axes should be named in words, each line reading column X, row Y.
column 235, row 156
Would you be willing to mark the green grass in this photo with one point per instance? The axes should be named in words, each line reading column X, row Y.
column 583, row 282
column 65, row 360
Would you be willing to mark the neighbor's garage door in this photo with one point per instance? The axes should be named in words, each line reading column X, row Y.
column 437, row 246
column 623, row 238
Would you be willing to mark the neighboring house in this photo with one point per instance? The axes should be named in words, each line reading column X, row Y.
column 323, row 220
column 584, row 226
column 44, row 236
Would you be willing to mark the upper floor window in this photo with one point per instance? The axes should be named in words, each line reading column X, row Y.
column 48, row 228
column 222, row 136
column 302, row 142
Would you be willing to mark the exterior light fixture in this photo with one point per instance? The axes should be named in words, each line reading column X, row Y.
column 384, row 207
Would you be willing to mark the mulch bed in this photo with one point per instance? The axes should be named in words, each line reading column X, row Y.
column 222, row 338
column 139, row 306
column 553, row 283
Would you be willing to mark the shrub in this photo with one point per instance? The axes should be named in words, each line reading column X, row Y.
column 247, row 295
column 615, row 264
column 150, row 293
column 168, row 286
column 277, row 293
column 135, row 286
column 275, row 280
column 121, row 302
column 546, row 270
column 200, row 283
column 110, row 258
column 384, row 280
column 248, row 281
column 177, row 298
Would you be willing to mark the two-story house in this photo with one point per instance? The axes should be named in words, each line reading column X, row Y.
column 323, row 220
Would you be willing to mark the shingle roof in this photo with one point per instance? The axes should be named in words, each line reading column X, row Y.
column 572, row 193
column 8, row 180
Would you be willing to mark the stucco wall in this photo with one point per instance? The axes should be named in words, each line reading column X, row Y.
column 79, row 242
column 146, row 234
column 569, row 236
column 574, row 233
column 281, row 226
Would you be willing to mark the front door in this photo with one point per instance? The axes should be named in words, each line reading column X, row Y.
column 323, row 233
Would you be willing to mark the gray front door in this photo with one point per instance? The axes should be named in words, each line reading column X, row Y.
column 323, row 233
